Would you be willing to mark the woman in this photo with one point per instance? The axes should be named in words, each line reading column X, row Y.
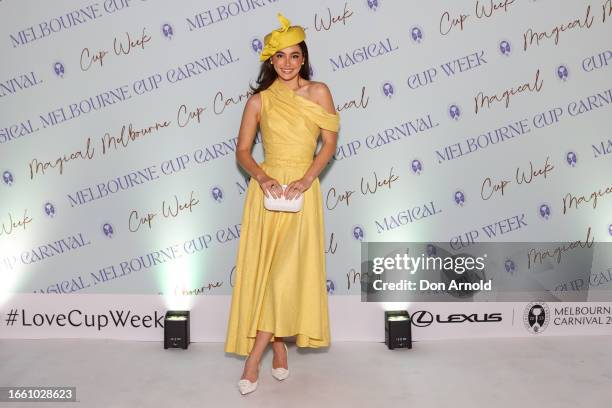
column 280, row 287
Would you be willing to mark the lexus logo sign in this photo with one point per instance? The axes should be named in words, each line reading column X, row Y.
column 423, row 318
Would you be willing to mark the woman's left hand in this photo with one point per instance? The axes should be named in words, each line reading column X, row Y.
column 297, row 187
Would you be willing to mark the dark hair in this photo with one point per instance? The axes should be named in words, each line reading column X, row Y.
column 267, row 73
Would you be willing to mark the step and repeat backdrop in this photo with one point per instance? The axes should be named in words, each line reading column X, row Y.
column 461, row 122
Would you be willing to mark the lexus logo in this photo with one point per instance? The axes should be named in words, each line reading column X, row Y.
column 423, row 318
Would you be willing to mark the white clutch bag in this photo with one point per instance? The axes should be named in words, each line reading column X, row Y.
column 284, row 204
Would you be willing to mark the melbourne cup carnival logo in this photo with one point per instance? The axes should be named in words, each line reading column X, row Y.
column 504, row 48
column 416, row 166
column 372, row 5
column 388, row 89
column 536, row 317
column 256, row 45
column 217, row 193
column 416, row 33
column 459, row 198
column 108, row 230
column 167, row 31
column 610, row 229
column 330, row 287
column 544, row 211
column 509, row 266
column 49, row 209
column 59, row 70
column 358, row 232
column 562, row 73
column 571, row 159
column 7, row 178
column 454, row 112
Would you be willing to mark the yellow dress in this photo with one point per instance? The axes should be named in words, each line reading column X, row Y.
column 280, row 278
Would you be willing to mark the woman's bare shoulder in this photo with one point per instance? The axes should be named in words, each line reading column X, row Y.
column 253, row 103
column 254, row 99
column 320, row 93
column 317, row 86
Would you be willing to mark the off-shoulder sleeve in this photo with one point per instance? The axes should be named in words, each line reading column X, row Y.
column 293, row 103
column 325, row 120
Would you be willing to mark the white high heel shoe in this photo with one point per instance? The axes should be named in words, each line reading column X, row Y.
column 281, row 373
column 245, row 386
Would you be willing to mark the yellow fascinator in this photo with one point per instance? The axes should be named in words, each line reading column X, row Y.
column 281, row 38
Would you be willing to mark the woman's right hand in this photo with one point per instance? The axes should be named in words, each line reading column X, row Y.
column 271, row 187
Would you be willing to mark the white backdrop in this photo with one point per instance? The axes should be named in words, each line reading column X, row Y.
column 157, row 212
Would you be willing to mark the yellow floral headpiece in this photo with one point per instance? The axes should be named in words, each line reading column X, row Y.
column 281, row 38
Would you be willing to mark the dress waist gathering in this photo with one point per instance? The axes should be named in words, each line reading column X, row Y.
column 286, row 161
